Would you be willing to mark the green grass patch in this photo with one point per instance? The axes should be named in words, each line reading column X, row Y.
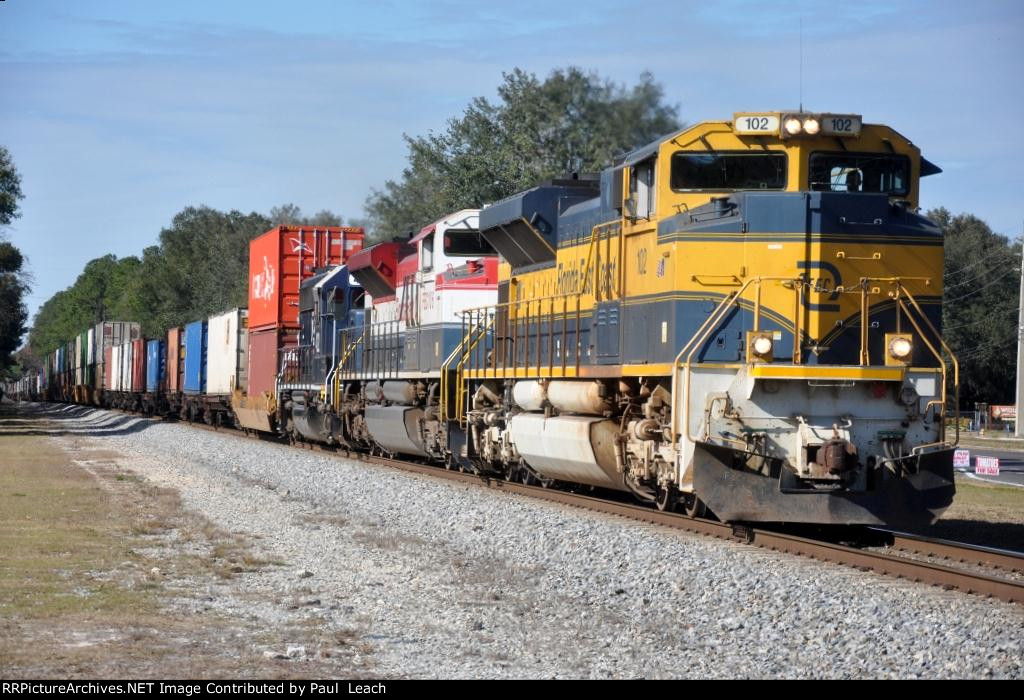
column 63, row 537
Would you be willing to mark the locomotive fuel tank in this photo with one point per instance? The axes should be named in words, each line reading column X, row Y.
column 574, row 449
column 396, row 428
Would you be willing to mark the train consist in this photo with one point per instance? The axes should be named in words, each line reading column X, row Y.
column 741, row 319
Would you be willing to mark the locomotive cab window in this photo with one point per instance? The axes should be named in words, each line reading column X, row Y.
column 728, row 171
column 466, row 243
column 641, row 189
column 427, row 253
column 880, row 173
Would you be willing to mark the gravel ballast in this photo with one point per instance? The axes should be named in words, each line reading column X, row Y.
column 454, row 581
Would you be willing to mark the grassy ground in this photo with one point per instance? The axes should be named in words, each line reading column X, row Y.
column 95, row 565
column 985, row 514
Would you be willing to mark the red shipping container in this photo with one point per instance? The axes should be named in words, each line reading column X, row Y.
column 174, row 360
column 138, row 365
column 284, row 256
column 264, row 349
column 108, row 367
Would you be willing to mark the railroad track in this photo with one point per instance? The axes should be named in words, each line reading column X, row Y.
column 893, row 561
column 890, row 564
column 959, row 552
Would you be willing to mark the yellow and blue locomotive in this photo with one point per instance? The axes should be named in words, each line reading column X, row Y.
column 742, row 316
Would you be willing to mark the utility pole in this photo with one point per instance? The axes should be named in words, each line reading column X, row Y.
column 1018, row 425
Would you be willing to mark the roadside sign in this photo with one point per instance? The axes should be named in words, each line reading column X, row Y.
column 1003, row 413
column 961, row 459
column 986, row 465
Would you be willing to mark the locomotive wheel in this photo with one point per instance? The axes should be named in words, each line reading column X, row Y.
column 667, row 498
column 694, row 507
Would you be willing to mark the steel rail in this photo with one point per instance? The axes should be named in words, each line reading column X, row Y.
column 1005, row 559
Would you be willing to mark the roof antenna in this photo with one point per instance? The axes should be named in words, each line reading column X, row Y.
column 801, row 65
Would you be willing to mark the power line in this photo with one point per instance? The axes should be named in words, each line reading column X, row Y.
column 977, row 278
column 1005, row 311
column 979, row 289
column 994, row 253
column 982, row 349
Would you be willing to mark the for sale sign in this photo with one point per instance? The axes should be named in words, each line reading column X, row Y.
column 987, row 465
column 961, row 459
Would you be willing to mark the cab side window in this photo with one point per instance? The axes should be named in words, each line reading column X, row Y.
column 427, row 253
column 641, row 188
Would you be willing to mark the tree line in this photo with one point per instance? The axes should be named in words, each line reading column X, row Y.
column 200, row 266
column 537, row 129
column 14, row 279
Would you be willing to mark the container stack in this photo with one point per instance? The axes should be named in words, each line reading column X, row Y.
column 279, row 260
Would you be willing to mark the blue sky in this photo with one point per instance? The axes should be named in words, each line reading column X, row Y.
column 121, row 113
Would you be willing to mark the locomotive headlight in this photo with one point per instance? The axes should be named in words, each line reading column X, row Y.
column 759, row 346
column 811, row 126
column 899, row 347
column 792, row 126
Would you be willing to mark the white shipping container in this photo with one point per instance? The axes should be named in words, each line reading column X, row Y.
column 103, row 340
column 90, row 352
column 226, row 352
column 115, row 368
column 125, row 374
column 110, row 334
column 77, row 362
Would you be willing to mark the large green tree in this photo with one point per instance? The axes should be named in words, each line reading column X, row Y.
column 199, row 267
column 10, row 188
column 13, row 276
column 979, row 306
column 571, row 121
column 13, row 314
column 292, row 215
column 101, row 292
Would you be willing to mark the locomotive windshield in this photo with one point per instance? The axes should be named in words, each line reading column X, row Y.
column 728, row 171
column 466, row 243
column 860, row 172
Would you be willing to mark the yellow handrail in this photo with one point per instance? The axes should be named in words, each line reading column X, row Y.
column 711, row 321
column 340, row 367
column 463, row 351
column 956, row 376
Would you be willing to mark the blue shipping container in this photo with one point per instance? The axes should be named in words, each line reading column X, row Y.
column 156, row 365
column 195, row 357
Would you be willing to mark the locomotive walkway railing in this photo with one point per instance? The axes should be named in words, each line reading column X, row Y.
column 453, row 368
column 499, row 340
column 374, row 350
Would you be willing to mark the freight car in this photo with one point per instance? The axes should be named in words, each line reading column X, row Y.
column 741, row 318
